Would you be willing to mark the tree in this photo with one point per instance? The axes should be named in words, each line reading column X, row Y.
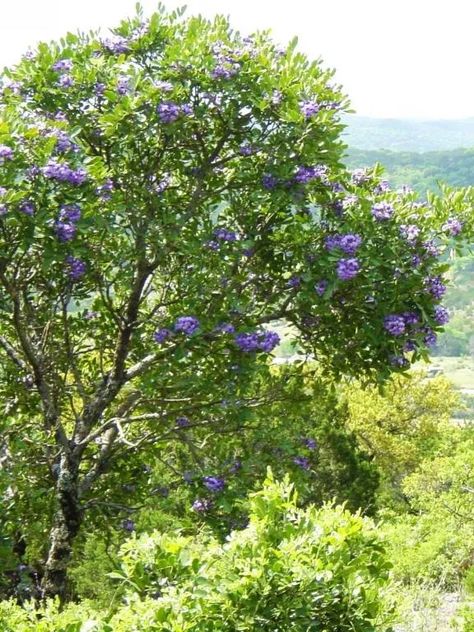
column 166, row 194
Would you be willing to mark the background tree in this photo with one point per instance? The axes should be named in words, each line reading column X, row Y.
column 165, row 194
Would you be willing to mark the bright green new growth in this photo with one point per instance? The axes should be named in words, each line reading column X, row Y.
column 289, row 569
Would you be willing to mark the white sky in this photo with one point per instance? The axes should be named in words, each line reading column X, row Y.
column 395, row 58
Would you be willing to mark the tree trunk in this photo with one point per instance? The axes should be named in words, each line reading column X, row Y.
column 66, row 525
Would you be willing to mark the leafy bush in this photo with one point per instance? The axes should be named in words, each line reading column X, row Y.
column 290, row 569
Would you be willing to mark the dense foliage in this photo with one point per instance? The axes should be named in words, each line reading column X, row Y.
column 290, row 569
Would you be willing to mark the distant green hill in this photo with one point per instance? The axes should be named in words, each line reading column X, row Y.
column 421, row 171
column 408, row 135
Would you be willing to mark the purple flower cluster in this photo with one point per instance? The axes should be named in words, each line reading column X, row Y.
column 398, row 361
column 116, row 45
column 77, row 268
column 246, row 149
column 310, row 443
column 410, row 232
column 294, row 282
column 128, row 525
column 182, row 422
column 302, row 461
column 309, row 108
column 431, row 248
column 269, row 181
column 257, row 341
column 306, row 174
column 65, row 81
column 435, row 286
column 225, row 328
column 104, row 191
column 63, row 173
column 394, row 324
column 162, row 334
column 187, row 325
column 382, row 211
column 430, row 338
column 441, row 315
column 123, row 85
column 213, row 483
column 202, row 505
column 27, row 207
column 348, row 268
column 360, row 176
column 64, row 143
column 62, row 65
column 410, row 318
column 6, row 153
column 65, row 226
column 348, row 243
column 453, row 226
column 225, row 235
column 320, row 287
column 168, row 112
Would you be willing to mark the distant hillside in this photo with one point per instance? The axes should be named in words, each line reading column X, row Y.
column 421, row 171
column 408, row 135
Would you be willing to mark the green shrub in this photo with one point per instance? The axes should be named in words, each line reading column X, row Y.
column 319, row 569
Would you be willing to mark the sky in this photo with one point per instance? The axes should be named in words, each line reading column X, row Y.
column 394, row 58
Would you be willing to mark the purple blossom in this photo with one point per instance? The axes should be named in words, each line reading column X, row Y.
column 306, row 174
column 310, row 443
column 99, row 89
column 225, row 235
column 430, row 338
column 128, row 525
column 453, row 226
column 6, row 153
column 70, row 213
column 65, row 231
column 350, row 243
column 62, row 65
column 431, row 248
column 416, row 261
column 294, row 282
column 382, row 187
column 348, row 268
column 60, row 171
column 202, row 505
column 309, row 108
column 168, row 112
column 246, row 149
column 64, row 143
column 104, row 191
column 213, row 483
column 255, row 341
column 398, row 361
column 394, row 324
column 441, row 315
column 123, row 85
column 166, row 86
column 116, row 45
column 360, row 176
column 222, row 71
column 302, row 461
column 435, row 286
column 225, row 328
column 182, row 422
column 320, row 287
column 410, row 318
column 349, row 200
column 77, row 268
column 27, row 207
column 3, row 210
column 331, row 242
column 213, row 245
column 410, row 232
column 3, row 191
column 65, row 81
column 188, row 325
column 410, row 345
column 162, row 334
column 269, row 182
column 382, row 211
